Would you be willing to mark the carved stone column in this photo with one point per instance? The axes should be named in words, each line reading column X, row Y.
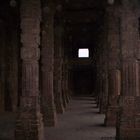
column 47, row 52
column 114, row 80
column 66, row 96
column 63, row 86
column 98, row 89
column 113, row 64
column 102, row 72
column 128, row 126
column 99, row 84
column 29, row 124
column 58, row 64
column 66, row 83
column 2, row 66
column 103, row 84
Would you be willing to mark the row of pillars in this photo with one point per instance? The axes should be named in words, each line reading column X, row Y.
column 119, row 70
column 44, row 71
column 118, row 73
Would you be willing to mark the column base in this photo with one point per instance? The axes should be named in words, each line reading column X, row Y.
column 29, row 129
column 128, row 119
column 98, row 102
column 67, row 97
column 102, row 108
column 59, row 108
column 64, row 100
column 29, row 123
column 129, row 134
column 103, row 104
column 59, row 103
column 111, row 116
column 49, row 114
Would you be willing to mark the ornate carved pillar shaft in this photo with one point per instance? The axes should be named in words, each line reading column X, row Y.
column 67, row 83
column 58, row 65
column 114, row 82
column 2, row 66
column 47, row 52
column 103, row 85
column 65, row 92
column 130, row 77
column 66, row 95
column 113, row 64
column 29, row 124
column 128, row 127
column 99, row 69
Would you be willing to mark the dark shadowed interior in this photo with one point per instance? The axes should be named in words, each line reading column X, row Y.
column 48, row 90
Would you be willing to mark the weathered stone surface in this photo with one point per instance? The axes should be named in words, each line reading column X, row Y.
column 113, row 41
column 128, row 124
column 58, row 34
column 47, row 52
column 65, row 89
column 29, row 124
column 114, row 93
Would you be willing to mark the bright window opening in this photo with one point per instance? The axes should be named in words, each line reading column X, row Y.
column 83, row 53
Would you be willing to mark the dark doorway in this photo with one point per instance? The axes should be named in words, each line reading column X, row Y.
column 82, row 81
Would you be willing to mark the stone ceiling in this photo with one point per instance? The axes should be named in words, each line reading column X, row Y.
column 83, row 19
column 83, row 4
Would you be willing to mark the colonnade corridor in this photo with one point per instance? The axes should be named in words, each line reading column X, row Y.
column 70, row 70
column 81, row 121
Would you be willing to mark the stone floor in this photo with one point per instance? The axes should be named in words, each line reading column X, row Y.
column 81, row 121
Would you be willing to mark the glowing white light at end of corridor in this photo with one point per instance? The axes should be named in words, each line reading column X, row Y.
column 83, row 53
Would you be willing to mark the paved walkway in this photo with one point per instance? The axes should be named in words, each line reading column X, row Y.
column 81, row 121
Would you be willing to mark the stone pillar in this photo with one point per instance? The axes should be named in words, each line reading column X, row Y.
column 99, row 84
column 58, row 64
column 113, row 64
column 63, row 86
column 102, row 102
column 103, row 84
column 2, row 66
column 29, row 124
column 66, row 83
column 47, row 52
column 114, row 81
column 128, row 126
column 98, row 78
column 98, row 89
column 102, row 69
column 66, row 96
